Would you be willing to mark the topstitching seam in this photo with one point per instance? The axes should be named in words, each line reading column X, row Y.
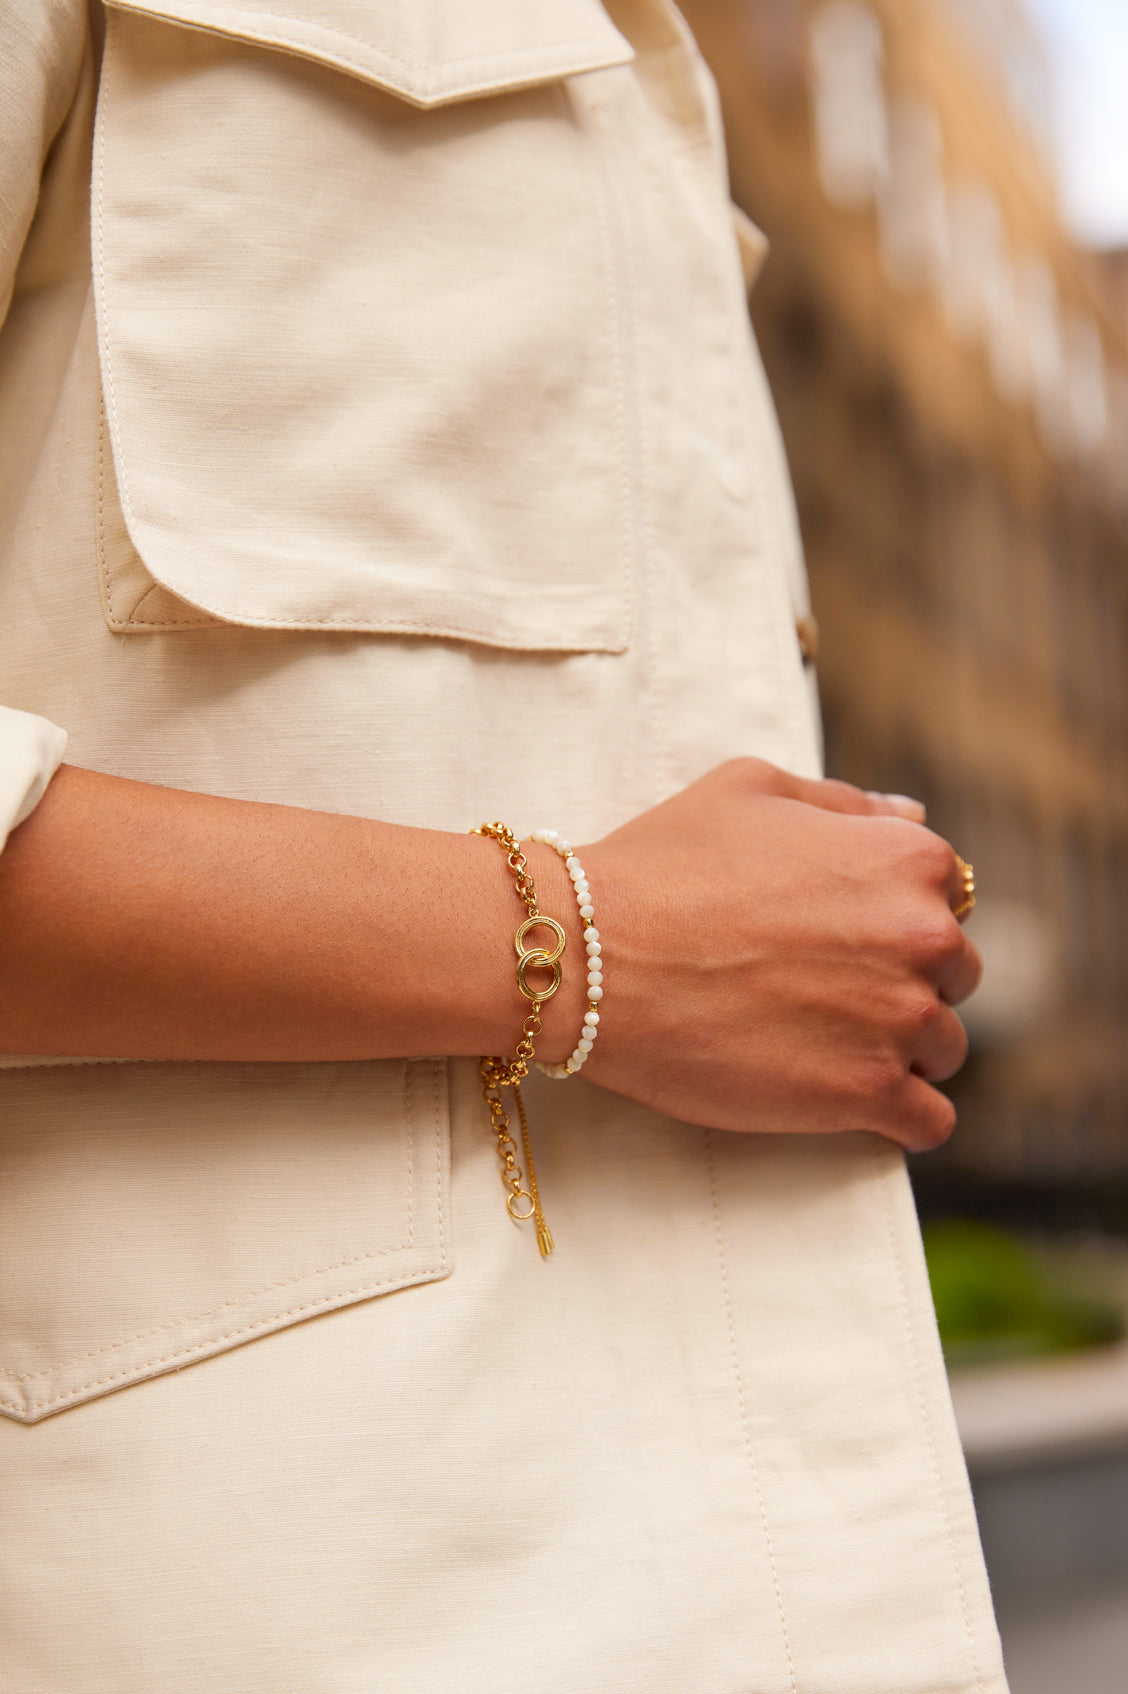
column 252, row 1294
column 637, row 492
column 201, row 1317
column 605, row 637
column 613, row 305
column 879, row 1154
column 514, row 56
column 206, row 620
column 439, row 1072
column 214, row 1342
column 409, row 1125
column 745, row 1424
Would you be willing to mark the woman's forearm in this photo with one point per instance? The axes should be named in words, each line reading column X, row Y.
column 783, row 955
column 147, row 922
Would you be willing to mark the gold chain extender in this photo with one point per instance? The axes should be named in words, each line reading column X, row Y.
column 497, row 1074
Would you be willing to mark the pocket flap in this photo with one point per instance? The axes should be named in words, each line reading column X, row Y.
column 154, row 1215
column 427, row 54
column 365, row 366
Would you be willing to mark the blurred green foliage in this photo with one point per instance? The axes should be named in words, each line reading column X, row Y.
column 996, row 1300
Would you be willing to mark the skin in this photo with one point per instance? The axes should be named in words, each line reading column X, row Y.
column 781, row 954
column 784, row 957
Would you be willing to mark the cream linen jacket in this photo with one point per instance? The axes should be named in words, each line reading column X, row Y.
column 383, row 433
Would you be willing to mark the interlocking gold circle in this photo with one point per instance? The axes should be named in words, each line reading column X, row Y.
column 544, row 923
column 539, row 958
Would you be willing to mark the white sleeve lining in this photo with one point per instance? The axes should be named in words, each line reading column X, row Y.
column 31, row 751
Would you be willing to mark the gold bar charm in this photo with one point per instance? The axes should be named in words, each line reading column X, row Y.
column 544, row 1234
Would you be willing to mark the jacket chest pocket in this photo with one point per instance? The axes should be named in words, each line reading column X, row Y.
column 360, row 321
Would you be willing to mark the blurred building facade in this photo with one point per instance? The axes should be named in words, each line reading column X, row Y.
column 951, row 374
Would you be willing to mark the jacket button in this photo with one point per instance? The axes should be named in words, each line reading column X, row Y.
column 807, row 631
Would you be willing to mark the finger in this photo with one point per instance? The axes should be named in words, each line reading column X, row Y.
column 898, row 806
column 961, row 971
column 833, row 796
column 920, row 1117
column 941, row 1048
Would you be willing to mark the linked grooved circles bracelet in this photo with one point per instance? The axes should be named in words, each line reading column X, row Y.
column 497, row 1073
column 590, row 1028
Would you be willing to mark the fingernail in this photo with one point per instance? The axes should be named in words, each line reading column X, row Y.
column 903, row 803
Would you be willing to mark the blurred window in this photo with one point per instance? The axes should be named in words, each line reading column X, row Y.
column 913, row 205
column 851, row 133
column 980, row 288
column 1078, row 911
column 1041, row 325
column 1118, row 440
column 1086, row 385
column 1067, row 594
column 1004, row 35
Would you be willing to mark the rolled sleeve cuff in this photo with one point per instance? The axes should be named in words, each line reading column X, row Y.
column 31, row 751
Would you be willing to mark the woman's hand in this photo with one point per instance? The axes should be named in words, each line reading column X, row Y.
column 782, row 956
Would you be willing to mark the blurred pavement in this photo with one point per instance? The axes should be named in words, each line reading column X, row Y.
column 1077, row 1648
column 1046, row 1443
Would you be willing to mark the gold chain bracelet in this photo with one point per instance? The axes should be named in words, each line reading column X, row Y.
column 521, row 1203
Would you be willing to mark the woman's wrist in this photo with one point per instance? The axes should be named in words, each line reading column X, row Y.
column 479, row 1006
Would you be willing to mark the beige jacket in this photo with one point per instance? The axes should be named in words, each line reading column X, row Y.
column 384, row 434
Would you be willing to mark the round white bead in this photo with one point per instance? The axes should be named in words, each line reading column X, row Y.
column 582, row 889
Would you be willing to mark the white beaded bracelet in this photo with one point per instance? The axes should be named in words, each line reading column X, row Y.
column 550, row 838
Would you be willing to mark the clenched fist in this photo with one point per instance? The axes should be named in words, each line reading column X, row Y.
column 782, row 956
